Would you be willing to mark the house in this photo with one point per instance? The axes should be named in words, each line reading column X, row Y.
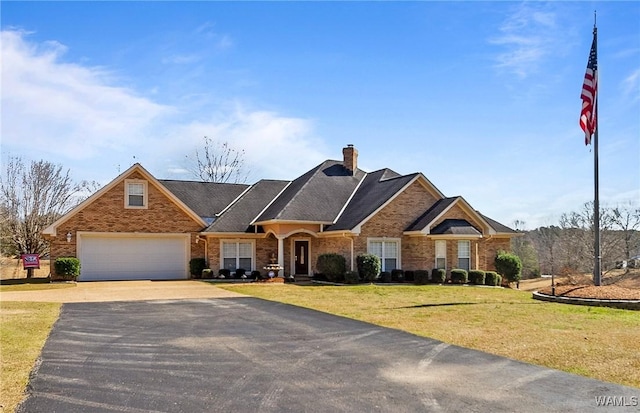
column 141, row 227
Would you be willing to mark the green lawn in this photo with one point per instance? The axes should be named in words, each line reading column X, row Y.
column 597, row 342
column 23, row 331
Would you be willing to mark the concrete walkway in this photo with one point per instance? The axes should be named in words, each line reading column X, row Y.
column 83, row 292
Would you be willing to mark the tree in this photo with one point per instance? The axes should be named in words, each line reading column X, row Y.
column 32, row 198
column 547, row 242
column 218, row 162
column 509, row 266
column 523, row 248
column 627, row 219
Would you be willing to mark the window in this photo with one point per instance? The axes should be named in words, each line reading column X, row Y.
column 441, row 254
column 135, row 194
column 464, row 255
column 388, row 251
column 237, row 254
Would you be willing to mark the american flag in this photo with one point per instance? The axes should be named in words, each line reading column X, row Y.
column 588, row 115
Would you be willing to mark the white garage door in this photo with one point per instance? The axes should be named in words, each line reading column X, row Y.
column 133, row 257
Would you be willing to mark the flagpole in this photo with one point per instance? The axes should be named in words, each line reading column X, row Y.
column 597, row 267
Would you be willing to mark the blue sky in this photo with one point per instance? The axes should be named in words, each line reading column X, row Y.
column 482, row 97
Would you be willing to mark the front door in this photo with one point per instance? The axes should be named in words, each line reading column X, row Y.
column 302, row 257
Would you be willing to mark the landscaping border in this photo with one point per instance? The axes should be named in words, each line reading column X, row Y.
column 622, row 304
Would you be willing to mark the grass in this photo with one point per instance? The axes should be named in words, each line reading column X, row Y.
column 601, row 343
column 23, row 331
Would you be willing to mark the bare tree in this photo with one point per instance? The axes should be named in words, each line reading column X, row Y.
column 522, row 246
column 578, row 238
column 546, row 241
column 30, row 200
column 627, row 219
column 218, row 162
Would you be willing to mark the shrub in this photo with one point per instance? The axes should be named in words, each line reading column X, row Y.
column 207, row 273
column 368, row 266
column 196, row 265
column 67, row 268
column 409, row 276
column 351, row 277
column 332, row 265
column 385, row 277
column 240, row 272
column 421, row 277
column 509, row 266
column 459, row 276
column 492, row 278
column 319, row 277
column 439, row 275
column 397, row 276
column 224, row 273
column 255, row 275
column 477, row 277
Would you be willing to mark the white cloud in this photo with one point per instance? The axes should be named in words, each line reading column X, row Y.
column 631, row 86
column 64, row 108
column 527, row 37
column 78, row 115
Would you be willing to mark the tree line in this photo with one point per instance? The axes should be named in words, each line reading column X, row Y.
column 569, row 246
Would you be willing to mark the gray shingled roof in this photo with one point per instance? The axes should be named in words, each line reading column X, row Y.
column 455, row 227
column 376, row 189
column 204, row 198
column 431, row 214
column 241, row 213
column 498, row 227
column 317, row 196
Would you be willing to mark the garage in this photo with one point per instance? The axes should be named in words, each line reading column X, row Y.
column 133, row 256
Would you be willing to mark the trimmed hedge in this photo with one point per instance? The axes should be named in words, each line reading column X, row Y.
column 351, row 277
column 421, row 277
column 385, row 277
column 240, row 272
column 409, row 276
column 196, row 265
column 368, row 266
column 397, row 276
column 224, row 273
column 67, row 268
column 509, row 266
column 439, row 275
column 207, row 273
column 492, row 278
column 332, row 265
column 477, row 277
column 459, row 276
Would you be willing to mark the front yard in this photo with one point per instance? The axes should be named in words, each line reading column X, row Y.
column 601, row 343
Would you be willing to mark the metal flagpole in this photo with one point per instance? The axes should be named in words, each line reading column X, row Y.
column 597, row 267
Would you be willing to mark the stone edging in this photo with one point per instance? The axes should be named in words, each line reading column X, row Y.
column 623, row 304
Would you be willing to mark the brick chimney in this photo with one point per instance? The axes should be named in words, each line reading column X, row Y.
column 350, row 155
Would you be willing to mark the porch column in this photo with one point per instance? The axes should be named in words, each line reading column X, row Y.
column 281, row 252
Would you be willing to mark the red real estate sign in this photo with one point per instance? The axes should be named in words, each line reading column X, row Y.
column 31, row 261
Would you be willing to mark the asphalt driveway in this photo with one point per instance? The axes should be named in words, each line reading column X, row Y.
column 249, row 355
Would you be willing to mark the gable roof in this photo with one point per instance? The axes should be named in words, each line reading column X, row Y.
column 207, row 199
column 317, row 196
column 455, row 227
column 241, row 213
column 51, row 229
column 376, row 190
column 424, row 223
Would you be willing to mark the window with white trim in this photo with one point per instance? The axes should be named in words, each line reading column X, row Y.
column 237, row 254
column 388, row 251
column 135, row 194
column 464, row 254
column 441, row 254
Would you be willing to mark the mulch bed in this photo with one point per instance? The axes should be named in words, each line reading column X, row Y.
column 604, row 292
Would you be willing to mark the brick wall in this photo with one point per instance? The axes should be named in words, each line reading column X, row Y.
column 108, row 214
